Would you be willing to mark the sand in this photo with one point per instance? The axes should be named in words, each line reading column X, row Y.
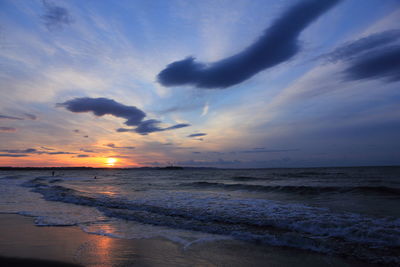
column 20, row 238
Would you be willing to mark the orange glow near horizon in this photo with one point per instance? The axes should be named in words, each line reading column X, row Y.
column 111, row 162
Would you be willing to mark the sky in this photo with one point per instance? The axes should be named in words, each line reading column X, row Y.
column 211, row 83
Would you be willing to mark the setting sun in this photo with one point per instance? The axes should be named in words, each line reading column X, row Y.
column 111, row 161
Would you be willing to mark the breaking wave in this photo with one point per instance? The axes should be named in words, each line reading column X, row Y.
column 298, row 189
column 256, row 220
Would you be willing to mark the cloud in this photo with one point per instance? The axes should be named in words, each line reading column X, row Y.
column 205, row 109
column 115, row 146
column 150, row 126
column 28, row 150
column 56, row 153
column 278, row 44
column 263, row 150
column 76, row 131
column 13, row 155
column 383, row 64
column 352, row 49
column 371, row 57
column 7, row 130
column 119, row 156
column 46, row 148
column 10, row 117
column 82, row 156
column 197, row 135
column 55, row 17
column 86, row 150
column 35, row 151
column 30, row 116
column 105, row 106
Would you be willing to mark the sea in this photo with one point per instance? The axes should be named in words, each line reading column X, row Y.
column 347, row 212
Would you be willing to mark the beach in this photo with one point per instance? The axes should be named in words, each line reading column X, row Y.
column 22, row 239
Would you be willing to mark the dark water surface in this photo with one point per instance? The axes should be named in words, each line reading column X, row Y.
column 351, row 212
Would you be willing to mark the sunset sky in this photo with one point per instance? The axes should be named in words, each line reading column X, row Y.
column 219, row 83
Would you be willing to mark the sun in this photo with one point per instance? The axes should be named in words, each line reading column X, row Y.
column 111, row 161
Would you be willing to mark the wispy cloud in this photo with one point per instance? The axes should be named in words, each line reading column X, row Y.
column 205, row 109
column 112, row 145
column 13, row 155
column 7, row 129
column 197, row 135
column 278, row 44
column 87, row 150
column 353, row 49
column 375, row 56
column 10, row 117
column 55, row 17
column 46, row 148
column 30, row 116
column 263, row 150
column 82, row 156
column 35, row 151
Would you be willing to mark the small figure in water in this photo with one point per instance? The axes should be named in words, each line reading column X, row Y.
column 95, row 177
column 52, row 173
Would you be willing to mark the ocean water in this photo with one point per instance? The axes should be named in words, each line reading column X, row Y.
column 349, row 212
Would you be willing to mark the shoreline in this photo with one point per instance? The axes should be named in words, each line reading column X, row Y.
column 21, row 239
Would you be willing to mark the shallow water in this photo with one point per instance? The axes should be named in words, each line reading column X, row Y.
column 353, row 212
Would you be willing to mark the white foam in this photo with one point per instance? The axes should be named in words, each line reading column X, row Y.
column 133, row 230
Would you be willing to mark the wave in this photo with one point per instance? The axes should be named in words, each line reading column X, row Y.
column 256, row 220
column 245, row 178
column 300, row 189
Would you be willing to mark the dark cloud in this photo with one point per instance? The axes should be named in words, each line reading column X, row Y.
column 373, row 57
column 110, row 145
column 28, row 150
column 354, row 49
column 13, row 155
column 35, row 151
column 263, row 150
column 56, row 153
column 197, row 135
column 115, row 146
column 150, row 126
column 30, row 116
column 86, row 150
column 278, row 44
column 82, row 156
column 55, row 17
column 104, row 106
column 383, row 64
column 10, row 117
column 46, row 148
column 7, row 129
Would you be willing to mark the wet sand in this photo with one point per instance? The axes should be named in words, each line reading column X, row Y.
column 20, row 238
